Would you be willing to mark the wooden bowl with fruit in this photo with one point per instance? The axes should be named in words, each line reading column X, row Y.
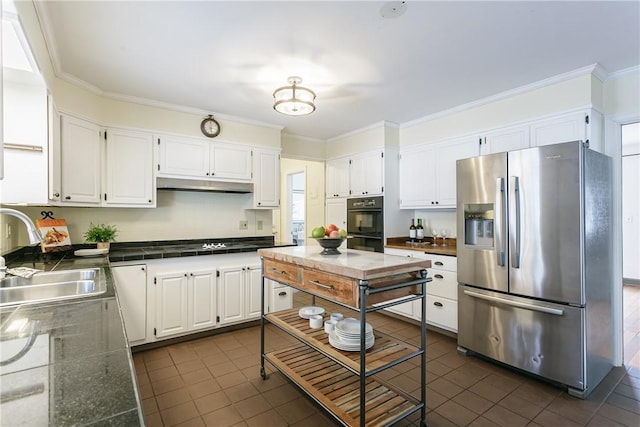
column 330, row 238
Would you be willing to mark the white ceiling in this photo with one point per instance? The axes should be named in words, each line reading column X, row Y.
column 227, row 57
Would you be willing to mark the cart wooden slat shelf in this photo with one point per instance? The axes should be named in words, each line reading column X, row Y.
column 346, row 383
column 385, row 350
column 337, row 389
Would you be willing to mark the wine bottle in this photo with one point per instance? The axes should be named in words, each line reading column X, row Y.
column 420, row 231
column 412, row 230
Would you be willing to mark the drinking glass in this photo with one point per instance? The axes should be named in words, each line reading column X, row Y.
column 434, row 232
column 443, row 233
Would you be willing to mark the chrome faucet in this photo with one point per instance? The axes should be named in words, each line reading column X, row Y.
column 34, row 234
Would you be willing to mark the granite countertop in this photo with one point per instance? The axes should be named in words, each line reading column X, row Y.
column 351, row 263
column 78, row 369
column 426, row 247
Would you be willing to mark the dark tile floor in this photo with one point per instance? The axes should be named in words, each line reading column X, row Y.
column 215, row 381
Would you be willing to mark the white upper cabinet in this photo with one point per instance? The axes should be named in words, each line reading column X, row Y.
column 80, row 162
column 129, row 168
column 564, row 128
column 194, row 158
column 266, row 179
column 337, row 181
column 428, row 173
column 230, row 161
column 185, row 157
column 101, row 167
column 366, row 174
column 357, row 175
column 417, row 166
column 505, row 139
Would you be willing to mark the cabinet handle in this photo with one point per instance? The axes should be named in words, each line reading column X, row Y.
column 68, row 198
column 282, row 294
column 439, row 276
column 275, row 270
column 322, row 285
column 438, row 263
column 437, row 304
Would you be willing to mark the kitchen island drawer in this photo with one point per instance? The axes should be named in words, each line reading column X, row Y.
column 442, row 312
column 282, row 272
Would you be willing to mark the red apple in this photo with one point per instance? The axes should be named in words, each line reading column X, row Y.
column 335, row 234
column 329, row 228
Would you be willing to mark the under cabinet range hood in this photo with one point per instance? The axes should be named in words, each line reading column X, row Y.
column 202, row 185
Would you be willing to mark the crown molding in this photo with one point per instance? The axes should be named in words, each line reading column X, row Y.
column 383, row 123
column 304, row 138
column 595, row 69
column 621, row 73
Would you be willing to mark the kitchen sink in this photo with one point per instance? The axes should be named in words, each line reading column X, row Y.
column 50, row 286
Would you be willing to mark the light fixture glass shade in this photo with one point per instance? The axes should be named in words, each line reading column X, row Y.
column 294, row 100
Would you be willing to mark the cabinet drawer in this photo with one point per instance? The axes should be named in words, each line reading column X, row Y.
column 444, row 284
column 282, row 272
column 442, row 312
column 327, row 285
column 443, row 262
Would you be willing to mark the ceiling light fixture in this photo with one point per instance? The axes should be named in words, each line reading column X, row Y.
column 294, row 100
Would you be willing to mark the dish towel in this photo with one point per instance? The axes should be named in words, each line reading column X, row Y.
column 25, row 272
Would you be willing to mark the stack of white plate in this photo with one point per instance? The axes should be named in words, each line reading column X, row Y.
column 307, row 312
column 346, row 335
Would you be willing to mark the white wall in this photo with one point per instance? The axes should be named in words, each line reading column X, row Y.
column 358, row 141
column 296, row 147
column 178, row 215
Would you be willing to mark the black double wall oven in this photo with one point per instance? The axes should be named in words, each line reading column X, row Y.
column 365, row 224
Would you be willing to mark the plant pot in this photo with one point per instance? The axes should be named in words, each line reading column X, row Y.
column 103, row 245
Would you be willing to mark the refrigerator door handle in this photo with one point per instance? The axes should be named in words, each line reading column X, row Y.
column 518, row 304
column 501, row 244
column 515, row 248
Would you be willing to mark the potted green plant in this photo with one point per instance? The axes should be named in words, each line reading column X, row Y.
column 101, row 234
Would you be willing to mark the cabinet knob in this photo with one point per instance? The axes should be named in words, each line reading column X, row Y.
column 150, row 201
column 68, row 198
column 207, row 173
column 56, row 194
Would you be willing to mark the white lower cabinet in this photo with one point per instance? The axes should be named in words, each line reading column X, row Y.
column 239, row 293
column 442, row 292
column 131, row 288
column 185, row 301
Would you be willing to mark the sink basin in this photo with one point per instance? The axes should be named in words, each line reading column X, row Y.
column 53, row 285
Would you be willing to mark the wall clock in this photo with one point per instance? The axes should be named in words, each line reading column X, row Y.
column 210, row 127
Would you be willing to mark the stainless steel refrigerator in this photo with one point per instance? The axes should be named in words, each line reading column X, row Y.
column 535, row 261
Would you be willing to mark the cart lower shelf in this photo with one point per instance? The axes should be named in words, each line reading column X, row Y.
column 338, row 390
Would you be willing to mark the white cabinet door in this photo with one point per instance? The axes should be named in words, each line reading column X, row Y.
column 240, row 293
column 229, row 161
column 506, row 139
column 336, row 212
column 366, row 174
column 230, row 294
column 337, row 178
column 182, row 157
column 131, row 286
column 129, row 168
column 80, row 161
column 253, row 295
column 447, row 153
column 172, row 304
column 417, row 185
column 564, row 128
column 202, row 299
column 266, row 179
